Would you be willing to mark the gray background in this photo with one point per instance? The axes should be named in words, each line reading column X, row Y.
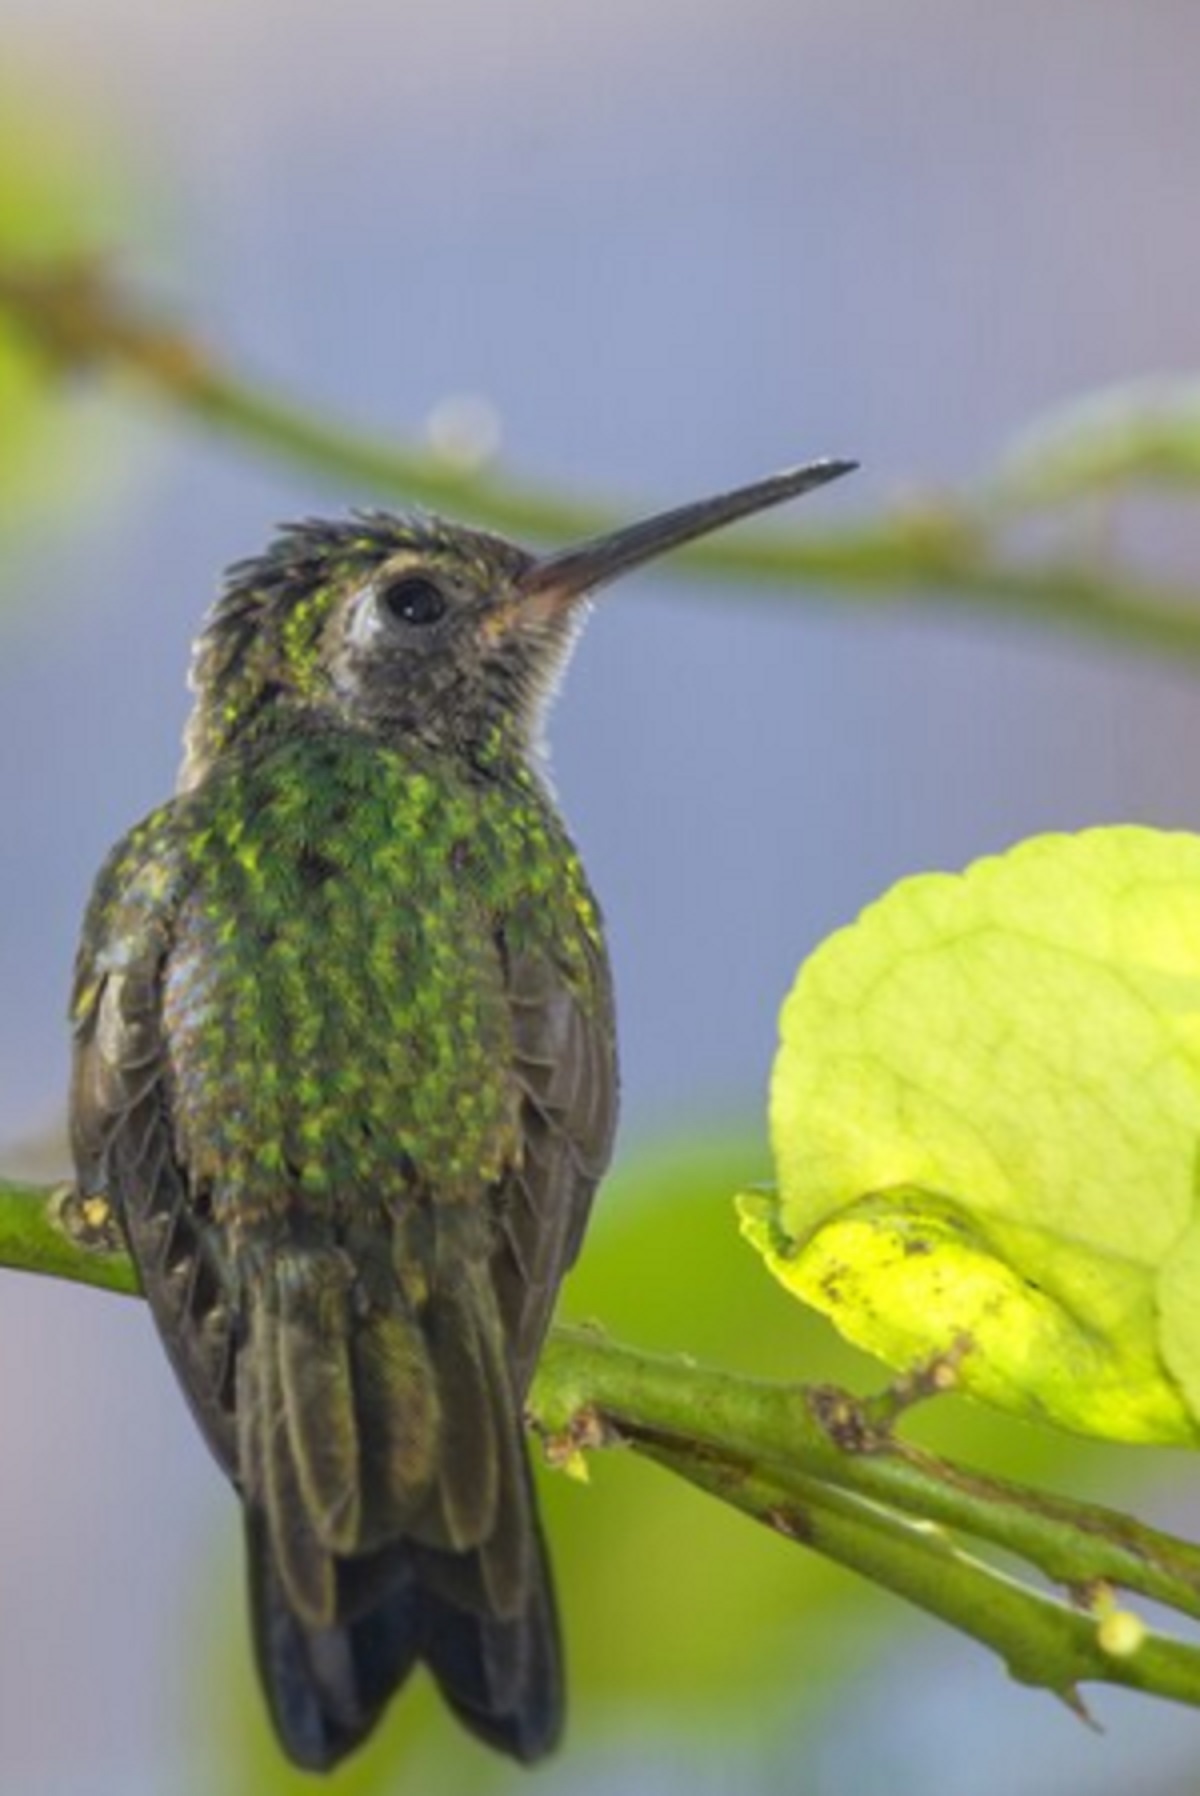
column 675, row 246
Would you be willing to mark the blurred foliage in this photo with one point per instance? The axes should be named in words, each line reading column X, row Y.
column 958, row 550
column 1144, row 431
column 67, row 196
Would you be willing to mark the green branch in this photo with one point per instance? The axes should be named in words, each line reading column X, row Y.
column 809, row 1463
column 826, row 1435
column 50, row 1229
column 945, row 552
column 815, row 1466
column 1042, row 1641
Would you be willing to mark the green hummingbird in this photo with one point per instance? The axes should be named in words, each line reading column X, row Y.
column 345, row 1066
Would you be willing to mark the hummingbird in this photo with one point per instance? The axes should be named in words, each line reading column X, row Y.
column 345, row 1067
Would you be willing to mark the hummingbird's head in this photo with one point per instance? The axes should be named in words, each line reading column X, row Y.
column 399, row 626
column 413, row 628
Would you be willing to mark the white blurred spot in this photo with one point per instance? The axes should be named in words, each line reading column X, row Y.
column 464, row 428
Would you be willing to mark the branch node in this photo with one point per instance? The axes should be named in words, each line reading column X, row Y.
column 585, row 1431
column 88, row 1221
column 793, row 1523
column 938, row 1377
column 845, row 1420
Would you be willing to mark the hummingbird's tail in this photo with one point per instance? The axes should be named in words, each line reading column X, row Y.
column 390, row 1511
column 327, row 1687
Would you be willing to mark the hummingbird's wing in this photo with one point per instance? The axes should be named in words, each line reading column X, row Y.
column 566, row 1067
column 499, row 1666
column 121, row 1127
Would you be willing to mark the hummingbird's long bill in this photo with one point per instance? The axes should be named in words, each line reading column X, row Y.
column 570, row 572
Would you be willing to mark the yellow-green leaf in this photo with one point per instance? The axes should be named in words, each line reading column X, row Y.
column 985, row 1117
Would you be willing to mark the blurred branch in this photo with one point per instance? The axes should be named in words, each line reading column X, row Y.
column 942, row 550
column 816, row 1466
column 1144, row 432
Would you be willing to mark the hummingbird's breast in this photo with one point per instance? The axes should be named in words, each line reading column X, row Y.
column 334, row 998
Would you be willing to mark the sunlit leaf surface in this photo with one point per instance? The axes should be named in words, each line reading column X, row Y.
column 985, row 1115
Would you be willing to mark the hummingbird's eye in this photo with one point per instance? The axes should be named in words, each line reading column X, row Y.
column 413, row 599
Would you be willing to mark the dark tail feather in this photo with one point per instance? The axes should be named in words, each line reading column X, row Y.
column 326, row 1688
column 391, row 1511
column 502, row 1678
